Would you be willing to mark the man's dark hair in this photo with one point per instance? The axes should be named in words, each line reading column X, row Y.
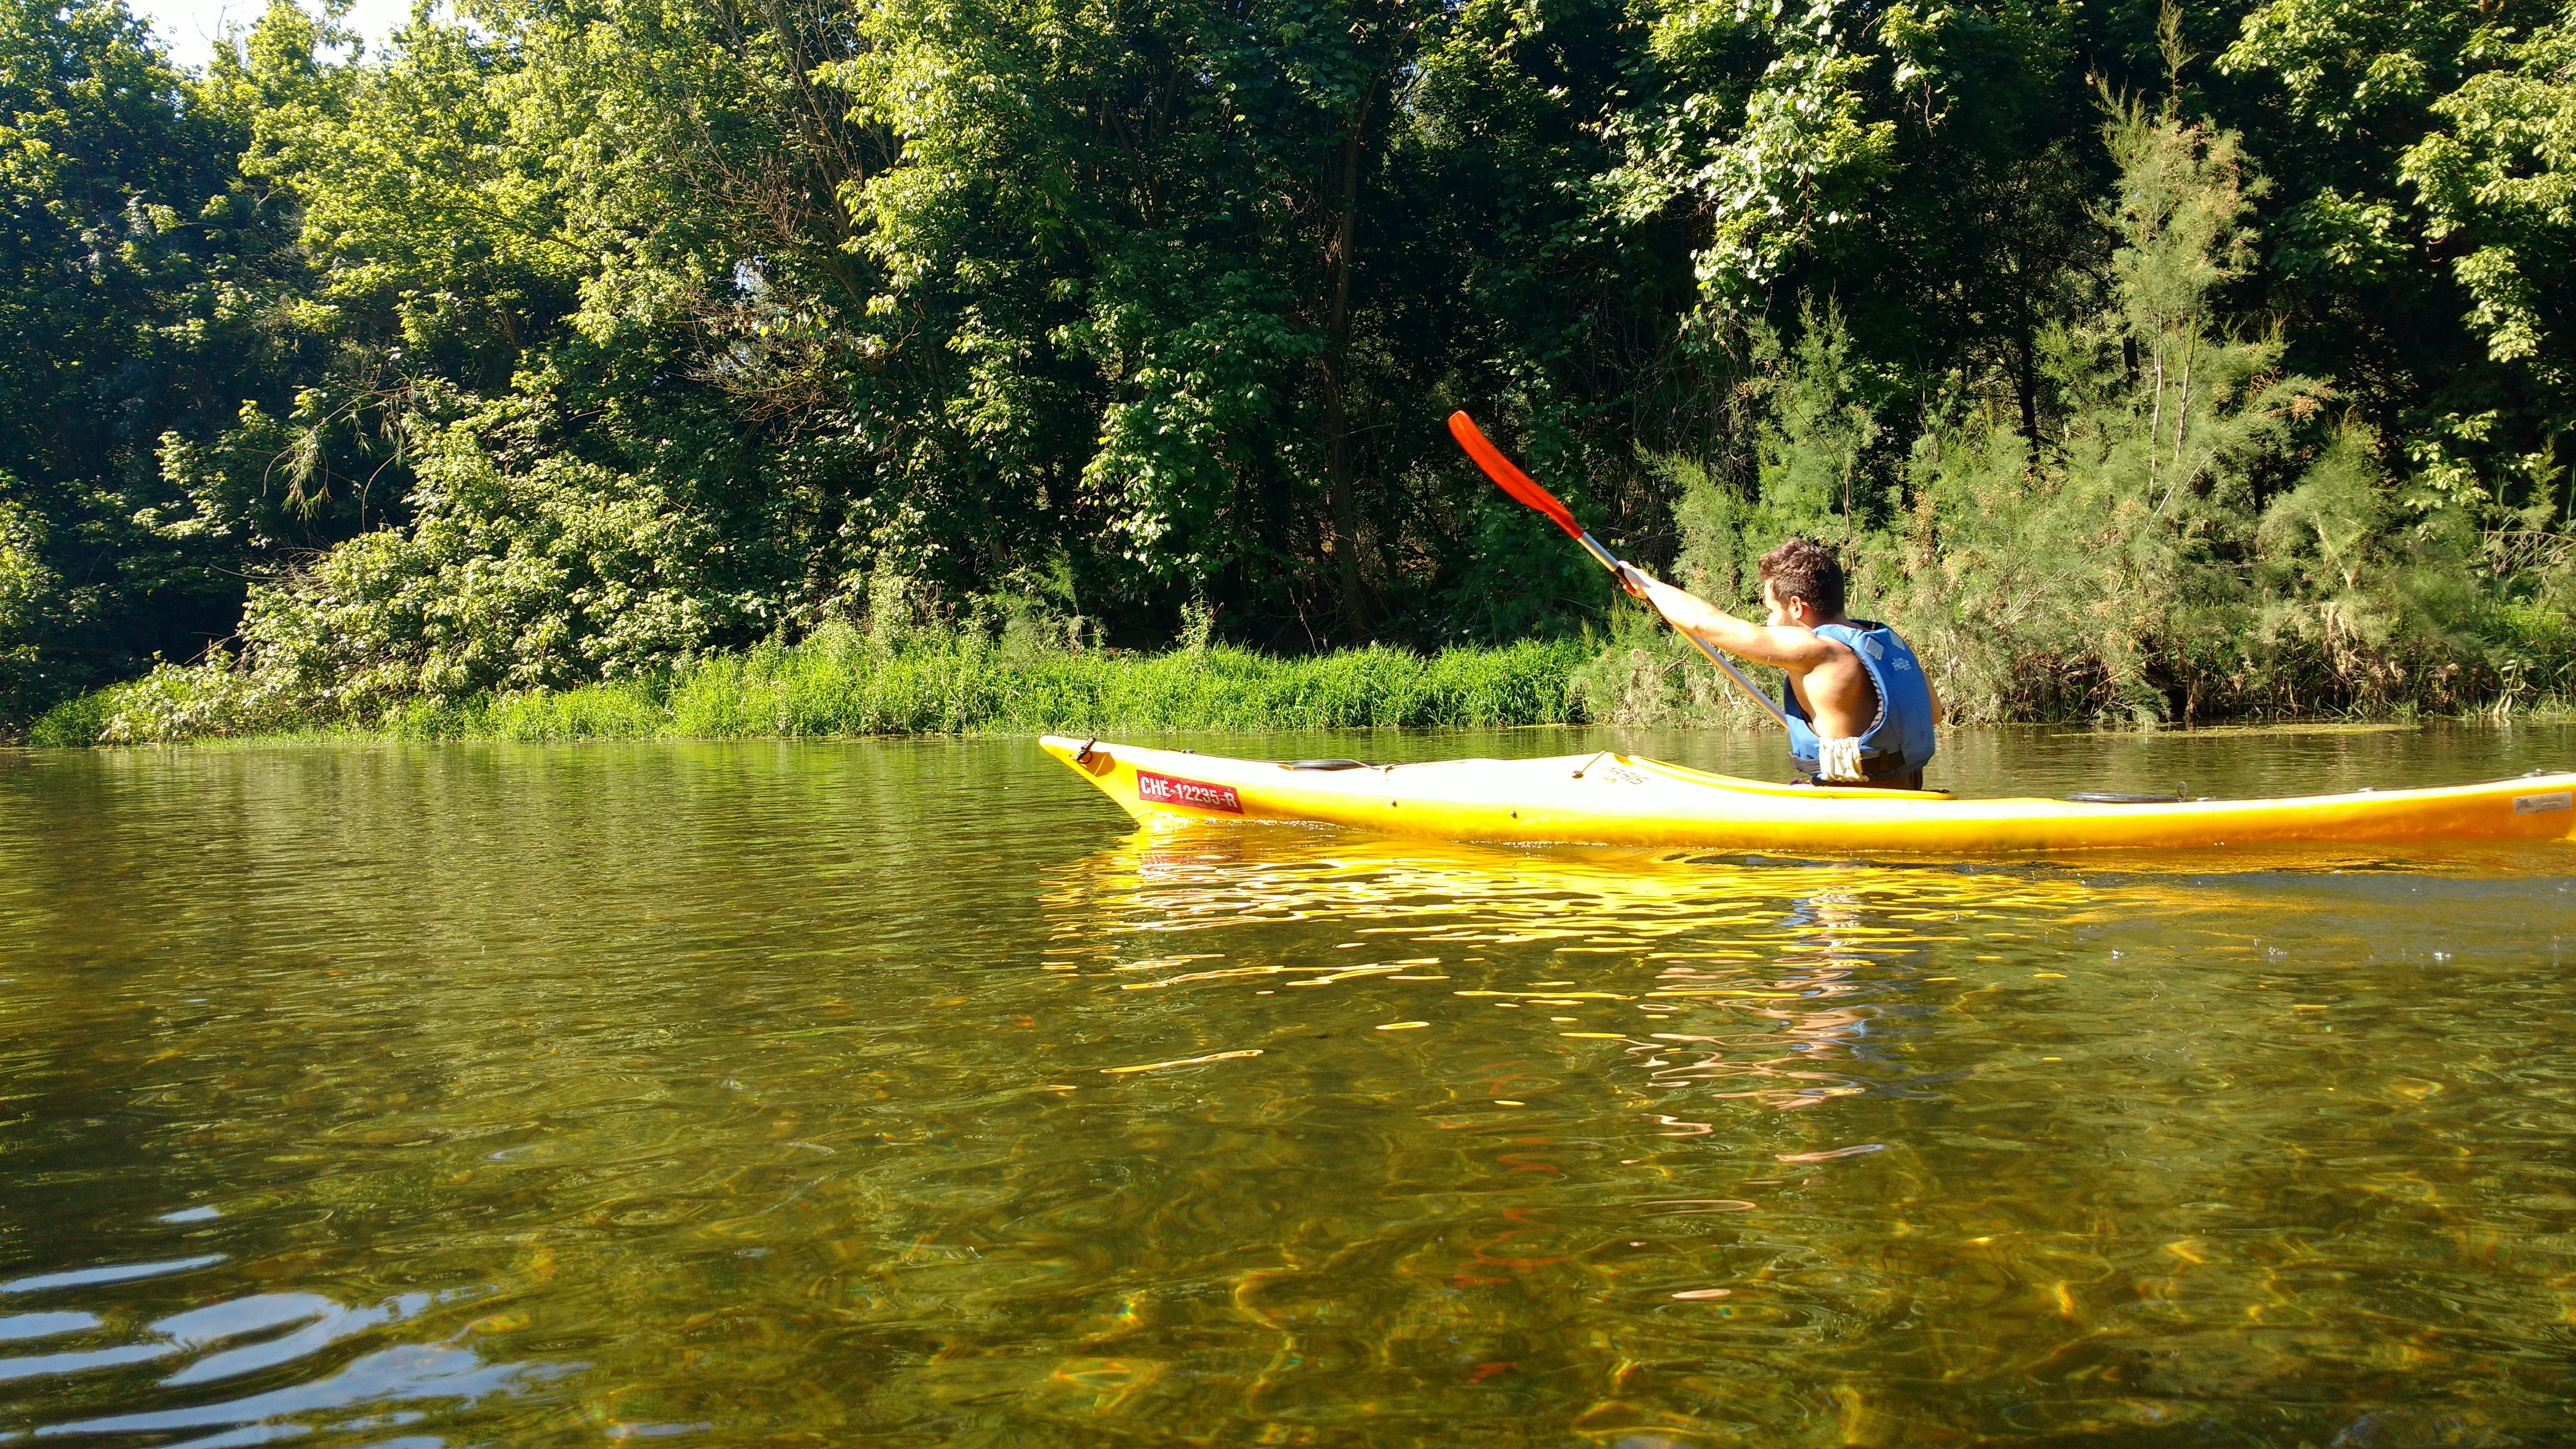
column 1803, row 570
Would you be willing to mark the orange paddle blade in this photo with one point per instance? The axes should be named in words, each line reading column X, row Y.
column 1513, row 480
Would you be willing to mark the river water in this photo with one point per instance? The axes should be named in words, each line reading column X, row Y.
column 898, row 1092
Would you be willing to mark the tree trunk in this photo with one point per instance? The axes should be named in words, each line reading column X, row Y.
column 2029, row 389
column 1344, row 546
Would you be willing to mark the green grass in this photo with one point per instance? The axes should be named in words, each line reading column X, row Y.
column 841, row 684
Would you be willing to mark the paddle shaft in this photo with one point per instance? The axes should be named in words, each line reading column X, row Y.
column 1525, row 490
column 1612, row 562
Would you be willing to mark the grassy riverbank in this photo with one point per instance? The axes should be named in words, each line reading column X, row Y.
column 843, row 683
column 849, row 679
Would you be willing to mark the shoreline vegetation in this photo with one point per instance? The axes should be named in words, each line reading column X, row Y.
column 523, row 374
column 844, row 682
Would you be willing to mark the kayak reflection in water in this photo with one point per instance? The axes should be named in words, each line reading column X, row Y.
column 1860, row 708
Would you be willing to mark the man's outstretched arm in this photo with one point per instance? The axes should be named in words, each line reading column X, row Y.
column 1790, row 648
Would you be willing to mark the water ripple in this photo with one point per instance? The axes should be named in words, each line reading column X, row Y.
column 763, row 1093
column 113, row 1273
column 407, row 1373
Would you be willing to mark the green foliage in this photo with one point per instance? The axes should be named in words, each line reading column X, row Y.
column 850, row 681
column 2106, row 558
column 2431, row 131
column 557, row 348
column 2499, row 173
column 79, row 720
column 539, row 578
column 114, row 214
column 2195, row 535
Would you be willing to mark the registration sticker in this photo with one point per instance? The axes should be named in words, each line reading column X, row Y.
column 1171, row 790
column 2534, row 804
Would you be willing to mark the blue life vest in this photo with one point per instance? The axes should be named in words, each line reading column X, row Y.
column 1899, row 741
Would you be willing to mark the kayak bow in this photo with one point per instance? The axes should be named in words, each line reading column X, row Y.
column 1613, row 799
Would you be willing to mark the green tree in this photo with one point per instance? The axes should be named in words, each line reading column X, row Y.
column 124, row 242
column 2496, row 180
column 2411, row 148
column 565, row 341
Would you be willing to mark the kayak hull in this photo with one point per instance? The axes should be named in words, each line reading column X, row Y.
column 1607, row 798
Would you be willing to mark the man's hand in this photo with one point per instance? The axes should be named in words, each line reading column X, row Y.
column 1634, row 580
column 1681, row 608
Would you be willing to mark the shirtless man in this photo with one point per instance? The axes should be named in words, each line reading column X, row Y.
column 1860, row 707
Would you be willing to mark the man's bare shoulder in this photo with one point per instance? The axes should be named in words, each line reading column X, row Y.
column 1822, row 652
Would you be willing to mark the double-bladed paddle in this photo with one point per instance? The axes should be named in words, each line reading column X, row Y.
column 1526, row 490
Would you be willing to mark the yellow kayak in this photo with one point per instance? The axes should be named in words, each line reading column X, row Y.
column 1613, row 799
